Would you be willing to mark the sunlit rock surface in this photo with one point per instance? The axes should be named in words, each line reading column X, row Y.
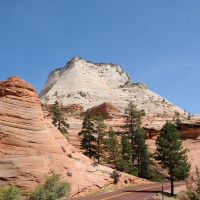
column 91, row 84
column 30, row 146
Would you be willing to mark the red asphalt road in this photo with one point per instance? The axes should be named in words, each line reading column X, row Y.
column 139, row 192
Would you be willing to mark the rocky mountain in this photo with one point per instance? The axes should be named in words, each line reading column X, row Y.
column 91, row 84
column 107, row 89
column 30, row 146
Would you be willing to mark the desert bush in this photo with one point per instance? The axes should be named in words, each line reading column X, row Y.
column 37, row 194
column 94, row 164
column 63, row 149
column 69, row 174
column 69, row 155
column 10, row 193
column 52, row 189
column 115, row 175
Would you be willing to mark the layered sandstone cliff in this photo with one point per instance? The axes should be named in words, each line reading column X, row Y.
column 30, row 146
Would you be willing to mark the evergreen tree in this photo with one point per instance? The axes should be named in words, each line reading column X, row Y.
column 141, row 156
column 125, row 162
column 126, row 148
column 100, row 129
column 112, row 148
column 58, row 119
column 132, row 122
column 171, row 155
column 88, row 142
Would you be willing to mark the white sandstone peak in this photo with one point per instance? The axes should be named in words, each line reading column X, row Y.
column 90, row 84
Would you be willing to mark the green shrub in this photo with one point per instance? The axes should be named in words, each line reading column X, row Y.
column 38, row 194
column 69, row 155
column 52, row 189
column 10, row 193
column 115, row 175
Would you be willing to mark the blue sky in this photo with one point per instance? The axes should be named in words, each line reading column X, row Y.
column 155, row 42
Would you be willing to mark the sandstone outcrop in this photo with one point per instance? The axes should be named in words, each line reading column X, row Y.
column 107, row 110
column 30, row 146
column 75, row 109
column 91, row 84
column 18, row 89
column 189, row 131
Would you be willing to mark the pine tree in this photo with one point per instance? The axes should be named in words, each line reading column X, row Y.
column 100, row 129
column 171, row 155
column 58, row 119
column 88, row 142
column 141, row 156
column 125, row 162
column 112, row 148
column 132, row 122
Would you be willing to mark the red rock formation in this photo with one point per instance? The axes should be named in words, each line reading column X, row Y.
column 189, row 131
column 107, row 110
column 18, row 89
column 30, row 146
column 75, row 109
column 151, row 133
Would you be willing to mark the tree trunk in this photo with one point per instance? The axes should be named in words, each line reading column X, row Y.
column 132, row 139
column 58, row 124
column 98, row 148
column 138, row 167
column 89, row 148
column 172, row 187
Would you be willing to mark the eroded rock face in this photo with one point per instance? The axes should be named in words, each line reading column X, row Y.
column 189, row 131
column 30, row 146
column 18, row 89
column 91, row 84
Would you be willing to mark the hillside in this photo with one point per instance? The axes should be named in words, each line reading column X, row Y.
column 30, row 146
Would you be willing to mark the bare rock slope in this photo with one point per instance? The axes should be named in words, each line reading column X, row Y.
column 30, row 146
column 91, row 84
